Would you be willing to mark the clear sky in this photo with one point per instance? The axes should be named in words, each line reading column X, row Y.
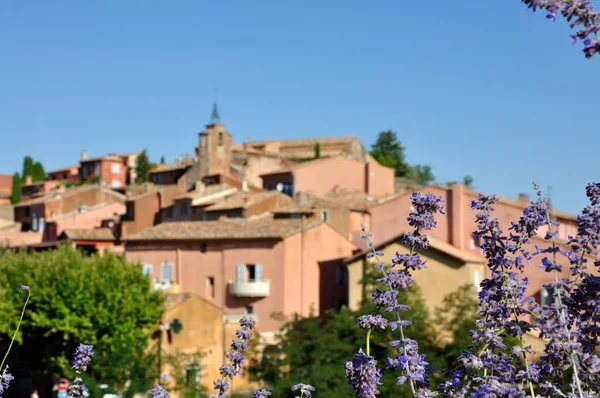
column 484, row 88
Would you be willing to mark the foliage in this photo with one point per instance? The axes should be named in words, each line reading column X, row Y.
column 101, row 301
column 142, row 168
column 39, row 174
column 313, row 348
column 388, row 152
column 468, row 181
column 317, row 150
column 422, row 174
column 15, row 196
column 187, row 385
column 162, row 159
column 27, row 168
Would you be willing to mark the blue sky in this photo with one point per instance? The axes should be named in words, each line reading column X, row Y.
column 483, row 88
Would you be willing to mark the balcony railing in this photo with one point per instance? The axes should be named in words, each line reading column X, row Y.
column 250, row 289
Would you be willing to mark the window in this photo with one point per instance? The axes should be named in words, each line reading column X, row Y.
column 341, row 275
column 34, row 222
column 130, row 211
column 476, row 279
column 210, row 286
column 147, row 269
column 116, row 168
column 220, row 139
column 203, row 247
column 167, row 272
column 296, row 216
column 339, row 303
column 84, row 172
column 183, row 209
column 249, row 309
column 546, row 296
column 251, row 272
column 116, row 184
column 27, row 211
column 288, row 189
column 97, row 169
column 169, row 213
column 475, row 242
column 192, row 374
column 157, row 178
column 324, row 215
column 42, row 225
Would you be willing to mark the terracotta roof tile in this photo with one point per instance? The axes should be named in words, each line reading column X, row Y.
column 232, row 228
column 104, row 234
column 307, row 141
column 242, row 200
column 163, row 168
column 56, row 194
column 295, row 166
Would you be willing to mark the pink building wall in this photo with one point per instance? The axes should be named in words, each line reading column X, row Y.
column 291, row 266
column 87, row 220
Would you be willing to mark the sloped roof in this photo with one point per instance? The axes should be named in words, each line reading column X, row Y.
column 307, row 141
column 102, row 234
column 229, row 228
column 435, row 244
column 163, row 168
column 56, row 194
column 244, row 199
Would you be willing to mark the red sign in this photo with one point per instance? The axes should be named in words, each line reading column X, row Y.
column 63, row 385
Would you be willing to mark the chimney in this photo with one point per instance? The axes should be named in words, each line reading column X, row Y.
column 523, row 197
column 456, row 216
column 28, row 180
column 84, row 155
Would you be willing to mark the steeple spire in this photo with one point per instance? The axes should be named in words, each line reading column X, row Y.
column 215, row 118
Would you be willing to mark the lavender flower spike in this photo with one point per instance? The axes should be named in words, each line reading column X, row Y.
column 5, row 379
column 305, row 390
column 23, row 287
column 262, row 393
column 363, row 376
column 235, row 356
column 159, row 392
column 83, row 357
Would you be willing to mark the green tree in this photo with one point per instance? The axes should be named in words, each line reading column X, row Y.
column 39, row 174
column 313, row 350
column 142, row 168
column 388, row 152
column 422, row 174
column 75, row 299
column 468, row 181
column 16, row 189
column 27, row 168
column 162, row 159
column 317, row 150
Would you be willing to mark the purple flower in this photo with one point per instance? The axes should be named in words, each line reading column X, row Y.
column 23, row 287
column 577, row 13
column 262, row 393
column 305, row 389
column 5, row 379
column 363, row 376
column 372, row 322
column 235, row 356
column 159, row 392
column 83, row 356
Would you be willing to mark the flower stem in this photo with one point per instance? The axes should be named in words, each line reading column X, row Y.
column 561, row 313
column 369, row 342
column 17, row 329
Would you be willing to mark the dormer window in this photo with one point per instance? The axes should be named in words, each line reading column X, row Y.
column 220, row 139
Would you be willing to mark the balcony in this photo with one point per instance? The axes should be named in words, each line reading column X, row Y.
column 250, row 289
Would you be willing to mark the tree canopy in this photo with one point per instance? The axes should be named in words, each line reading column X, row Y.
column 38, row 173
column 313, row 350
column 15, row 196
column 103, row 301
column 142, row 168
column 27, row 168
